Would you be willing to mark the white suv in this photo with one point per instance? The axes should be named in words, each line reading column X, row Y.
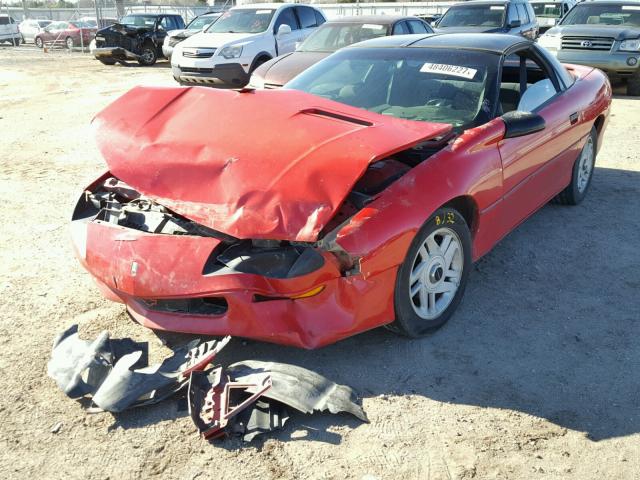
column 243, row 38
column 9, row 30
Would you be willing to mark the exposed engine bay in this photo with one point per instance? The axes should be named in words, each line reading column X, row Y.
column 117, row 203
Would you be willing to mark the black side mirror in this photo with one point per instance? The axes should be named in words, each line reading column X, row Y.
column 519, row 123
column 515, row 23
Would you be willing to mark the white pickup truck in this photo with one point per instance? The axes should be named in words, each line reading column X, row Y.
column 9, row 30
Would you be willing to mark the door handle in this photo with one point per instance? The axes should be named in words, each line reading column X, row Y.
column 573, row 118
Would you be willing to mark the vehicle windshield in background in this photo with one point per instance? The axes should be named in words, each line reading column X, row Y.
column 139, row 20
column 548, row 10
column 43, row 23
column 604, row 14
column 412, row 83
column 83, row 24
column 245, row 20
column 473, row 16
column 330, row 38
column 200, row 22
column 89, row 23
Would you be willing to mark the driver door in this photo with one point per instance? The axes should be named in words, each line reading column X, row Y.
column 536, row 166
column 286, row 42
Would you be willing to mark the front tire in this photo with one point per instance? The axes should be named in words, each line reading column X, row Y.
column 582, row 173
column 633, row 85
column 39, row 42
column 148, row 56
column 69, row 43
column 432, row 279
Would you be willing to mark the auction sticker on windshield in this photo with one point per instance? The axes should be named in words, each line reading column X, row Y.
column 372, row 26
column 451, row 70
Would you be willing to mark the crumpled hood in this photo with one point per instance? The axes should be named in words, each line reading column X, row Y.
column 613, row 31
column 272, row 164
column 119, row 28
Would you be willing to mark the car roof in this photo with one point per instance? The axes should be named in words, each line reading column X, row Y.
column 266, row 6
column 380, row 19
column 615, row 2
column 486, row 2
column 489, row 42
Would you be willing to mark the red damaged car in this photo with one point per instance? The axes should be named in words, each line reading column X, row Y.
column 358, row 196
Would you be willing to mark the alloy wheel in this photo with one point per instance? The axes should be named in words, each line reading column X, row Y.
column 436, row 273
column 585, row 166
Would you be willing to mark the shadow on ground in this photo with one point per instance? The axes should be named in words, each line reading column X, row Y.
column 548, row 326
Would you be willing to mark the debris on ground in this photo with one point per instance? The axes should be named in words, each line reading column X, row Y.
column 245, row 399
column 114, row 372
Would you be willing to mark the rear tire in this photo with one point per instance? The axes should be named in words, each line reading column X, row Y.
column 582, row 173
column 431, row 281
column 633, row 85
column 16, row 42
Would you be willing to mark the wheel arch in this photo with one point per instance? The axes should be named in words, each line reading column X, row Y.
column 261, row 55
column 466, row 206
column 599, row 125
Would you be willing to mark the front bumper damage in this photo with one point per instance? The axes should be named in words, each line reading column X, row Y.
column 173, row 274
column 112, row 53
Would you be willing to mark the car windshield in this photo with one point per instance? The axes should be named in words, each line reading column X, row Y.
column 244, row 20
column 88, row 23
column 201, row 22
column 80, row 24
column 331, row 37
column 425, row 84
column 139, row 20
column 473, row 16
column 549, row 10
column 43, row 23
column 604, row 14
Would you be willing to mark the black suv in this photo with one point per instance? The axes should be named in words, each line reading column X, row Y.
column 137, row 36
column 515, row 17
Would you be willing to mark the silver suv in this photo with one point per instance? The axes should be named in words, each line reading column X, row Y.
column 601, row 34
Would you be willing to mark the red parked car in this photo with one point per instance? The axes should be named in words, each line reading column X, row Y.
column 357, row 196
column 70, row 34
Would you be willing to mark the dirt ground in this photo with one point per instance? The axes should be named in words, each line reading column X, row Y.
column 536, row 376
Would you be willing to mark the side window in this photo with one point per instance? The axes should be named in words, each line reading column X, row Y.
column 62, row 26
column 565, row 8
column 4, row 21
column 166, row 24
column 522, row 13
column 512, row 14
column 532, row 14
column 319, row 18
column 401, row 28
column 287, row 17
column 417, row 26
column 526, row 90
column 307, row 17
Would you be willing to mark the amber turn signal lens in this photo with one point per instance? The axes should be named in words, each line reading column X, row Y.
column 310, row 293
